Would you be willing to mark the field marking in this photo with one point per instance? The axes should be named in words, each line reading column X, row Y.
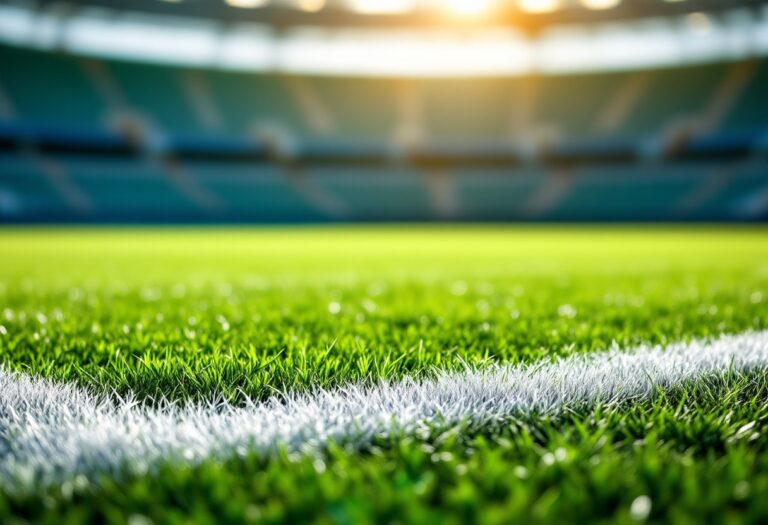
column 52, row 433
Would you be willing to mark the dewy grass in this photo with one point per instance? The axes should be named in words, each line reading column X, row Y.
column 58, row 433
column 694, row 458
column 245, row 313
column 193, row 314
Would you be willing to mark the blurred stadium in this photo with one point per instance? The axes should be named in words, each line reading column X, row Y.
column 325, row 371
column 375, row 110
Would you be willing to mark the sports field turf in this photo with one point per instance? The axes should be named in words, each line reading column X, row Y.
column 243, row 316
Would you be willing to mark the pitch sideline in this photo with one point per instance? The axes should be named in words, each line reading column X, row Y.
column 51, row 433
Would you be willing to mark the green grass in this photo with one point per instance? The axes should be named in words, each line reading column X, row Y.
column 191, row 313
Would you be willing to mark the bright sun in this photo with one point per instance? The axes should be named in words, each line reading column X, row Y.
column 469, row 8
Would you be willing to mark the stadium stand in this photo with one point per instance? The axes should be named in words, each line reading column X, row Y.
column 471, row 109
column 672, row 97
column 743, row 194
column 253, row 192
column 493, row 193
column 71, row 102
column 750, row 111
column 253, row 103
column 627, row 192
column 359, row 108
column 25, row 192
column 158, row 94
column 124, row 188
column 375, row 193
column 128, row 141
column 573, row 105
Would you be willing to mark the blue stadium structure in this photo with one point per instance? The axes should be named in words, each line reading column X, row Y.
column 94, row 139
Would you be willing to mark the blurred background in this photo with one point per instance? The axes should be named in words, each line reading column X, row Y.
column 293, row 111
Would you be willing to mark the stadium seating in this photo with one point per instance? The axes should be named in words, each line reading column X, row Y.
column 232, row 146
column 476, row 109
column 494, row 194
column 157, row 93
column 25, row 192
column 672, row 96
column 750, row 112
column 571, row 105
column 373, row 194
column 449, row 109
column 49, row 89
column 125, row 189
column 250, row 103
column 255, row 192
column 360, row 108
column 627, row 193
column 744, row 193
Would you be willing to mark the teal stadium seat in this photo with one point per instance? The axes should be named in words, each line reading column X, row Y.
column 361, row 108
column 253, row 192
column 373, row 194
column 25, row 191
column 627, row 192
column 750, row 113
column 494, row 194
column 672, row 94
column 49, row 88
column 744, row 196
column 157, row 92
column 467, row 109
column 126, row 188
column 573, row 103
column 251, row 101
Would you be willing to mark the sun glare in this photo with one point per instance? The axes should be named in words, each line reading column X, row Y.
column 381, row 7
column 246, row 4
column 469, row 8
column 539, row 6
column 600, row 4
column 310, row 6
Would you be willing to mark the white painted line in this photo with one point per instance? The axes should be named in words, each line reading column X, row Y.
column 51, row 433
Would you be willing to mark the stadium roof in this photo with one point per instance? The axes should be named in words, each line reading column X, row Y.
column 528, row 16
column 657, row 42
